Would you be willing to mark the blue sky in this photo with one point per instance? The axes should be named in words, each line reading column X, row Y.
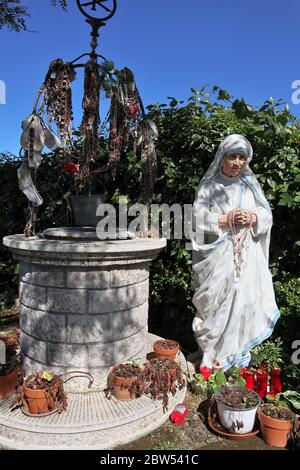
column 249, row 48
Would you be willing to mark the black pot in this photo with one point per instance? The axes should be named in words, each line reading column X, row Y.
column 84, row 209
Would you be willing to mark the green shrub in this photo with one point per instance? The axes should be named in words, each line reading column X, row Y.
column 288, row 296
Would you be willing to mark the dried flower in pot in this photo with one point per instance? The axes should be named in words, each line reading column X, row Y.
column 237, row 408
column 166, row 349
column 163, row 376
column 277, row 424
column 125, row 381
column 42, row 393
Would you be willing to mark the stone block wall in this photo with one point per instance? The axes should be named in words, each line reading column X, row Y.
column 82, row 317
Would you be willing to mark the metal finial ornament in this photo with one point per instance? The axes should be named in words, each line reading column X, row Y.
column 90, row 10
column 98, row 7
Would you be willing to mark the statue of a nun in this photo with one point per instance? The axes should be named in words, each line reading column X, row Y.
column 231, row 224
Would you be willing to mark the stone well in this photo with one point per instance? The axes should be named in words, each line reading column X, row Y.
column 84, row 303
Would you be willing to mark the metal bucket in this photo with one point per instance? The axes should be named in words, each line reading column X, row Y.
column 84, row 209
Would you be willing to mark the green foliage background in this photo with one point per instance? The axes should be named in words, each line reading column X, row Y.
column 189, row 136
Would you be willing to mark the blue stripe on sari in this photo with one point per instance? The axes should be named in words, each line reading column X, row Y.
column 243, row 359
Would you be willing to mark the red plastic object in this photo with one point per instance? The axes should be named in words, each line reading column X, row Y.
column 261, row 382
column 276, row 381
column 178, row 415
column 205, row 372
column 249, row 378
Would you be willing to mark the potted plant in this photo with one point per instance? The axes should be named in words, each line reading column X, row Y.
column 162, row 377
column 237, row 408
column 268, row 358
column 157, row 378
column 208, row 382
column 268, row 354
column 166, row 349
column 277, row 424
column 41, row 393
column 126, row 381
column 10, row 374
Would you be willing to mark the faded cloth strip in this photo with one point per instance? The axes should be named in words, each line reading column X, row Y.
column 26, row 185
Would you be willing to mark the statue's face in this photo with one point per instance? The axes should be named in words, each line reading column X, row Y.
column 233, row 164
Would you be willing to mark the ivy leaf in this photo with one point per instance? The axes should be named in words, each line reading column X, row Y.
column 297, row 197
column 286, row 200
column 297, row 179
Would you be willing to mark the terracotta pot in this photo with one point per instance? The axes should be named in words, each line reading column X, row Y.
column 8, row 383
column 165, row 353
column 275, row 432
column 122, row 385
column 170, row 369
column 40, row 401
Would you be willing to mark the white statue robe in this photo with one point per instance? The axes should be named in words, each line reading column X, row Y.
column 234, row 312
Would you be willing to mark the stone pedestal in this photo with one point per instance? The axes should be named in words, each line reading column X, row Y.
column 91, row 421
column 84, row 304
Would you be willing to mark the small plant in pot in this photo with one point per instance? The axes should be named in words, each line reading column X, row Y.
column 268, row 358
column 42, row 393
column 126, row 381
column 163, row 376
column 166, row 349
column 278, row 424
column 237, row 408
column 10, row 374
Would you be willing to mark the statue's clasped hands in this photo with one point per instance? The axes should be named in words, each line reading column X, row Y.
column 244, row 217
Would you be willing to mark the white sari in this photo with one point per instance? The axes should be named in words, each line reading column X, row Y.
column 234, row 297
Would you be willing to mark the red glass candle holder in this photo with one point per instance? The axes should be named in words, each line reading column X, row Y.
column 276, row 379
column 262, row 382
column 249, row 378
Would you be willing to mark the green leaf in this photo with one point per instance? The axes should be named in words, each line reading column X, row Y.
column 223, row 95
column 286, row 200
column 47, row 376
column 297, row 179
column 240, row 382
column 297, row 197
column 293, row 398
column 220, row 378
column 270, row 398
column 200, row 379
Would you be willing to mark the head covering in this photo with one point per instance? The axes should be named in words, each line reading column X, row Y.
column 236, row 143
column 233, row 143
